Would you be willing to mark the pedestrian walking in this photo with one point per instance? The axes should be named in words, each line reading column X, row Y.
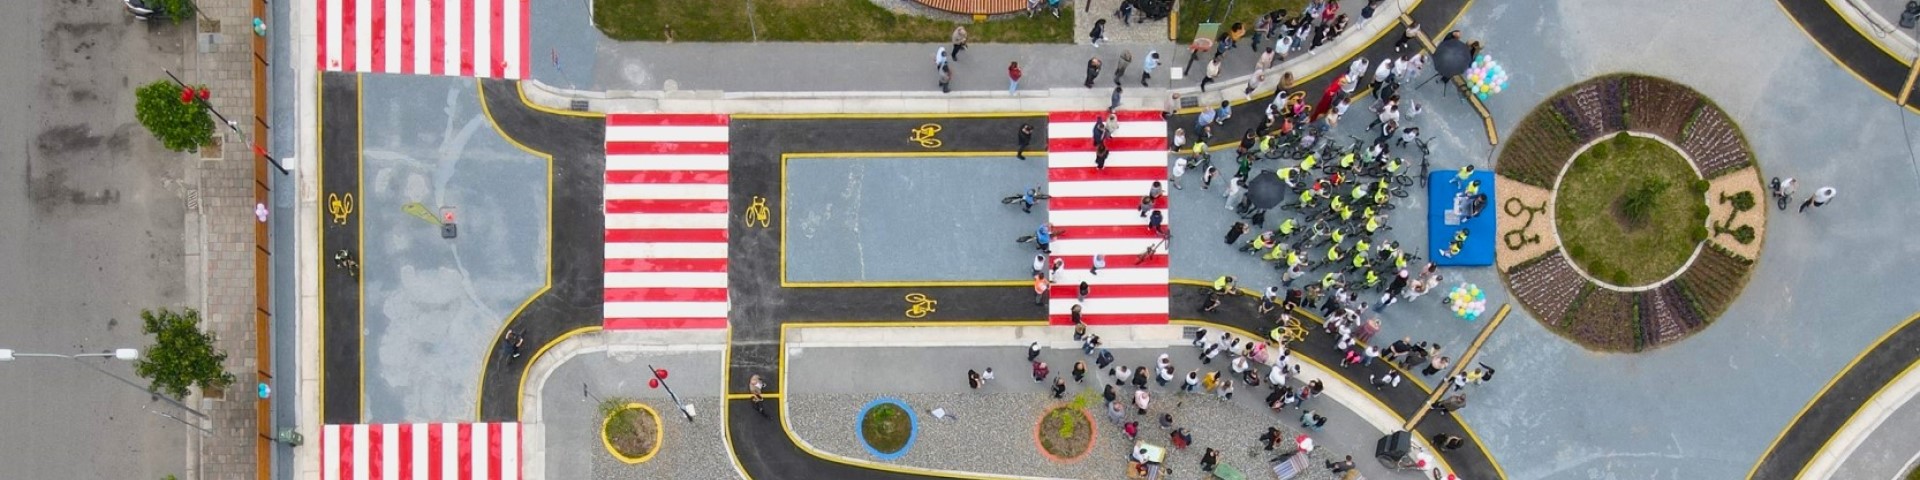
column 1079, row 372
column 1100, row 158
column 1083, row 290
column 1272, row 437
column 1099, row 262
column 1090, row 343
column 1234, row 232
column 757, row 407
column 946, row 79
column 1098, row 35
column 1207, row 354
column 1446, row 407
column 1165, row 376
column 1116, row 411
column 1153, row 222
column 1079, row 328
column 1013, row 79
column 974, row 381
column 1388, row 380
column 1114, row 104
column 940, row 58
column 1213, row 71
column 1120, row 70
column 1193, row 380
column 1040, row 371
column 1436, row 365
column 1147, row 68
column 1093, row 69
column 986, row 376
column 1033, row 351
column 1040, row 288
column 1341, row 466
column 959, row 40
column 755, row 384
column 1820, row 198
column 1103, row 359
column 1225, row 390
column 1179, row 170
column 1141, row 399
column 1121, row 374
column 1025, row 139
column 1059, row 387
column 1206, row 177
column 1146, row 204
column 1209, row 460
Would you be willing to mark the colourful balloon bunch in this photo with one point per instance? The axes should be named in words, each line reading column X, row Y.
column 1485, row 77
column 1467, row 301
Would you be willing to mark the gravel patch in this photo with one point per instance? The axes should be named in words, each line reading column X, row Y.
column 1512, row 217
column 689, row 450
column 1745, row 179
column 994, row 433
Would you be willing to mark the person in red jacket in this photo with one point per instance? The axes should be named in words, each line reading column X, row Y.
column 1013, row 77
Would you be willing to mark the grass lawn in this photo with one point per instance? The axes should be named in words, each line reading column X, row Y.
column 1193, row 12
column 807, row 21
column 1591, row 211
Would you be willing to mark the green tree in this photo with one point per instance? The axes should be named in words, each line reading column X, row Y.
column 181, row 125
column 181, row 355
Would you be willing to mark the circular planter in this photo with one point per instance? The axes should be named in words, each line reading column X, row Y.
column 887, row 428
column 1593, row 292
column 647, row 416
column 1069, row 448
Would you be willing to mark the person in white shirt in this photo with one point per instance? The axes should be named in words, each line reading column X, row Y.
column 1820, row 198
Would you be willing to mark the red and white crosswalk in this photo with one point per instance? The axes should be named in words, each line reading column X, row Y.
column 420, row 451
column 462, row 38
column 1097, row 212
column 667, row 214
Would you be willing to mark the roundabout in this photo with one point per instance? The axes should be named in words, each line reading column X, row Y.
column 1650, row 225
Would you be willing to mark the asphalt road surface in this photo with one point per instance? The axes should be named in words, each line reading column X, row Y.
column 94, row 212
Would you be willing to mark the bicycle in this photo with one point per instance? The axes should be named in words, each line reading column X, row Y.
column 1015, row 199
column 1289, row 332
column 1424, row 151
column 1782, row 192
column 1031, row 238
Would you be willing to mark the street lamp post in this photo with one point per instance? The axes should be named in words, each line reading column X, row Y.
column 122, row 354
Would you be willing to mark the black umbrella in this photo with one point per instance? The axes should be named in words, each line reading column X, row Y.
column 1266, row 189
column 1452, row 57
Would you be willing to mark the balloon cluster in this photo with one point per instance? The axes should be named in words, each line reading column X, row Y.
column 1467, row 301
column 1485, row 77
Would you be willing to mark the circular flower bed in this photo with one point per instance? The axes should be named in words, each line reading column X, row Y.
column 1065, row 433
column 887, row 428
column 1649, row 191
column 631, row 431
column 1629, row 211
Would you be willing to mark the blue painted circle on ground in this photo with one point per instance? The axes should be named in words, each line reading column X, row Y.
column 913, row 422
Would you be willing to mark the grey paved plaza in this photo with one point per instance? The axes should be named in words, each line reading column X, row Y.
column 433, row 306
column 1828, row 283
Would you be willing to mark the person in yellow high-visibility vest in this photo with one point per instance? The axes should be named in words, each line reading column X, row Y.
column 1333, row 253
column 1308, row 163
column 1274, row 254
column 1286, row 228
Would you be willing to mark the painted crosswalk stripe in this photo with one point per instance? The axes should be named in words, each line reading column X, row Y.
column 667, row 217
column 467, row 38
column 1097, row 212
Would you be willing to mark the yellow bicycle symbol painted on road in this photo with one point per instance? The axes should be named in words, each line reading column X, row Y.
column 924, row 135
column 919, row 305
column 1289, row 332
column 340, row 206
column 757, row 211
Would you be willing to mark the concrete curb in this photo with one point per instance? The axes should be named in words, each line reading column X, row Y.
column 1861, row 425
column 1878, row 30
column 1328, row 57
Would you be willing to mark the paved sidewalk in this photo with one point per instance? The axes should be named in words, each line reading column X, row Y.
column 993, row 432
column 1879, row 441
column 569, row 55
column 226, row 224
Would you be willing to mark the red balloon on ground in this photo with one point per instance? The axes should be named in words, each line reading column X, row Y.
column 653, row 383
column 661, row 373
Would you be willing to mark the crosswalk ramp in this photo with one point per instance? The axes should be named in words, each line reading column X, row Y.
column 666, row 222
column 420, row 451
column 458, row 38
column 1097, row 211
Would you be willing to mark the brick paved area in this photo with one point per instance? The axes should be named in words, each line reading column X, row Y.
column 228, row 232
